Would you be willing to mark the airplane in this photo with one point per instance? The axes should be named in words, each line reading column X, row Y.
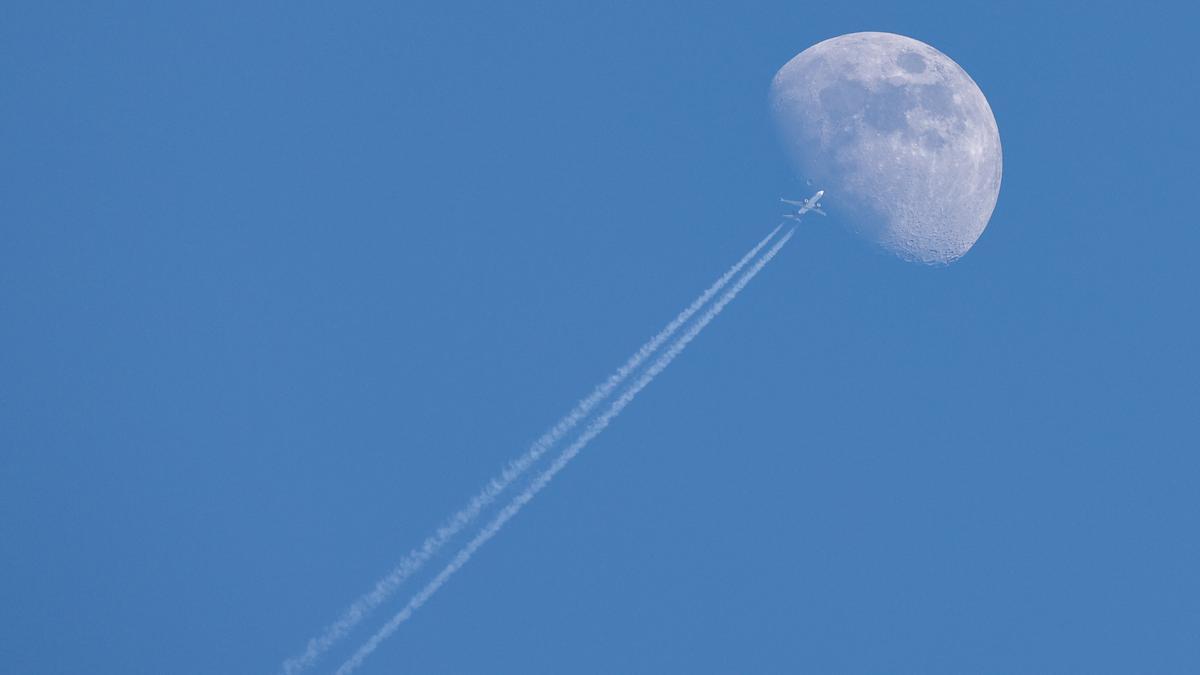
column 810, row 204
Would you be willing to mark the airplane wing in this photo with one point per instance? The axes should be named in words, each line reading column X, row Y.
column 818, row 210
column 789, row 201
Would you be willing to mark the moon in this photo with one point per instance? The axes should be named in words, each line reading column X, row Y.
column 900, row 138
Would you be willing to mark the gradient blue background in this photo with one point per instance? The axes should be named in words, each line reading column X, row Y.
column 283, row 284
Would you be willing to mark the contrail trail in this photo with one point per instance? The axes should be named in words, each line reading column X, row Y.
column 413, row 561
column 594, row 429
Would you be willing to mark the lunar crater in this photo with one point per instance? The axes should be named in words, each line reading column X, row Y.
column 912, row 62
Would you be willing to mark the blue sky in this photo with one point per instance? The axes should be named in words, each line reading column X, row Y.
column 284, row 283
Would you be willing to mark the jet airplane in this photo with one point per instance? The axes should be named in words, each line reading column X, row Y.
column 810, row 204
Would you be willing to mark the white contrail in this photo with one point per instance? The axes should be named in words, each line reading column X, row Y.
column 388, row 585
column 598, row 425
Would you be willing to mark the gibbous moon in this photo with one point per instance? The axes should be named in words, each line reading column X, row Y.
column 900, row 138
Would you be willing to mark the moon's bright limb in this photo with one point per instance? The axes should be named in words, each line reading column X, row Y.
column 899, row 136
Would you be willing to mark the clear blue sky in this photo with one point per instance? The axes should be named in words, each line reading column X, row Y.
column 284, row 283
